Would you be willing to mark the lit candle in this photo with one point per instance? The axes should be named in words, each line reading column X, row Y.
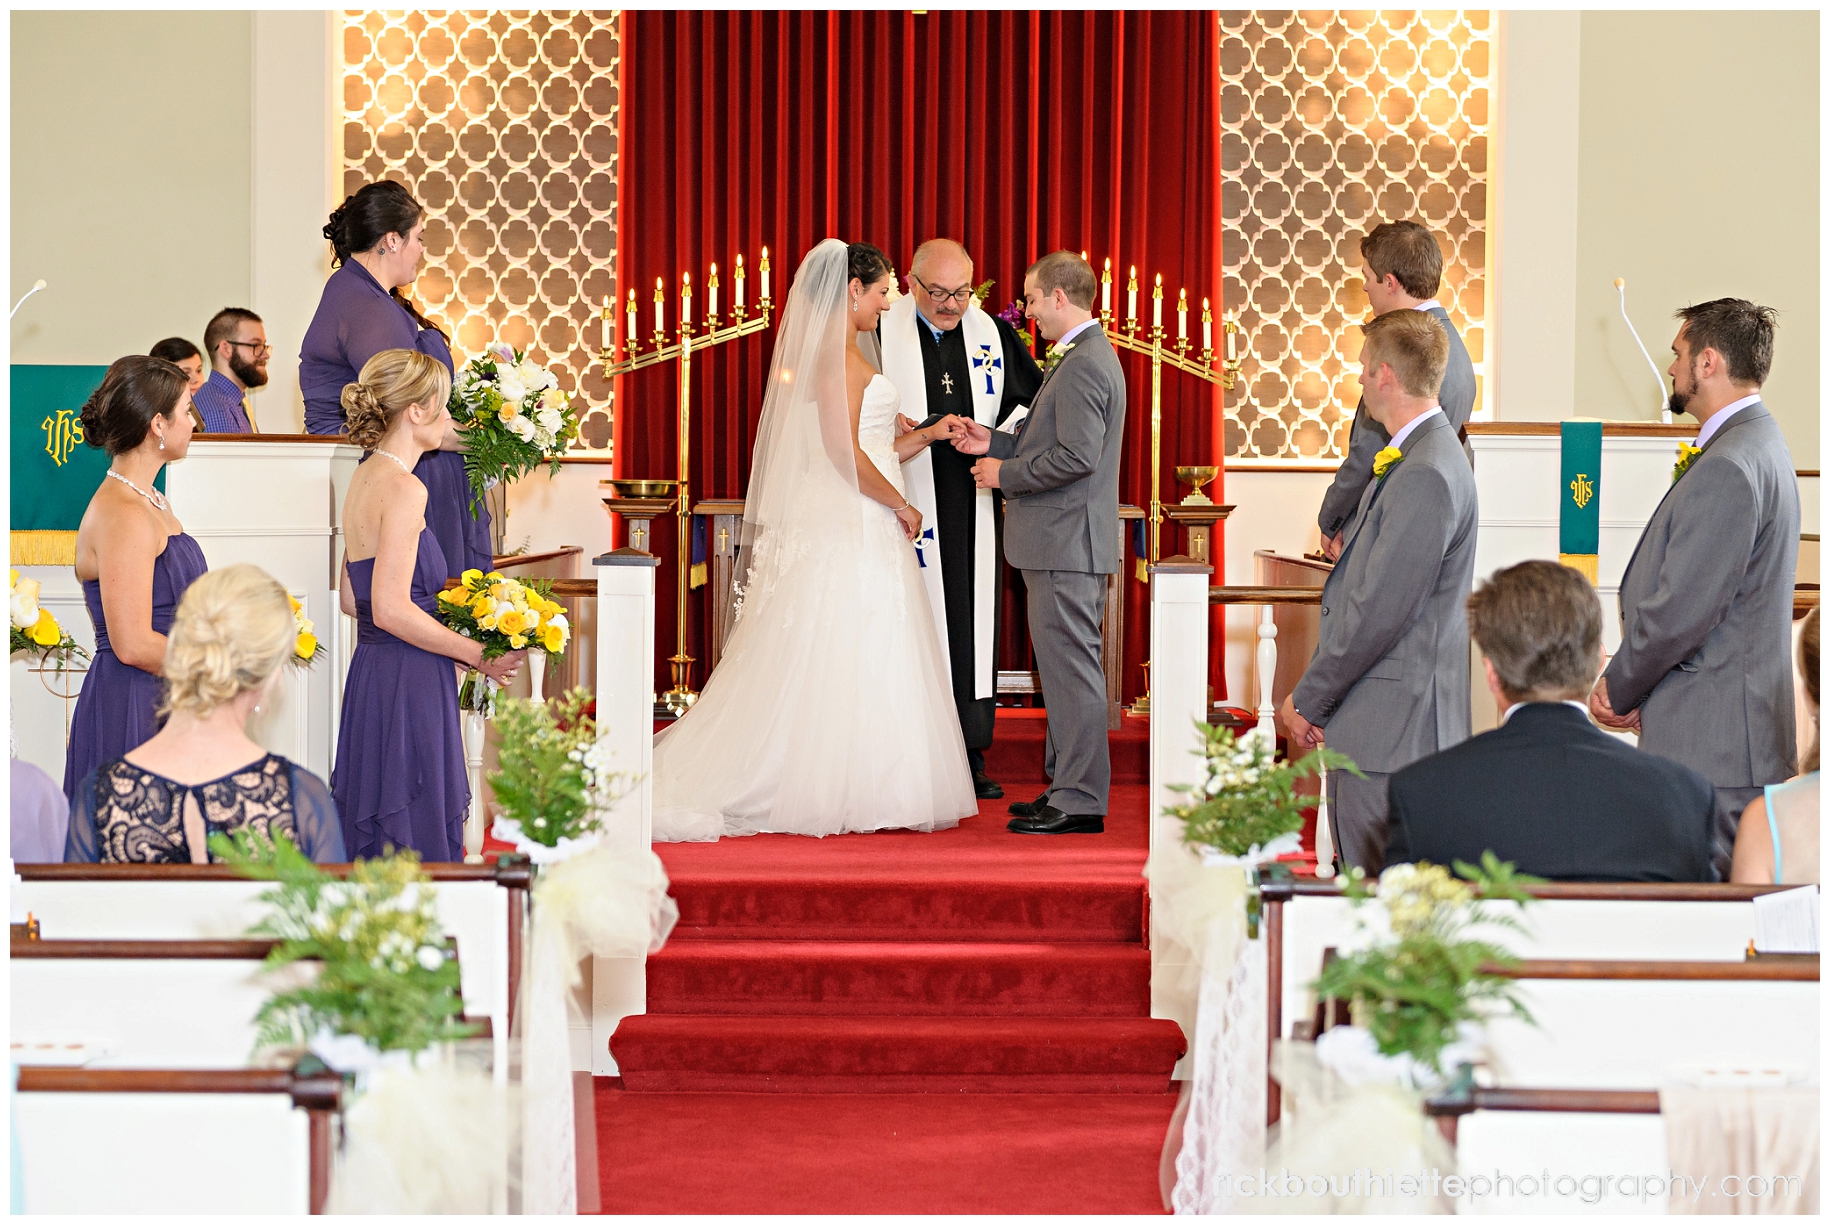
column 1131, row 296
column 1207, row 326
column 660, row 304
column 1232, row 351
column 629, row 336
column 739, row 286
column 606, row 331
column 1156, row 304
column 765, row 274
column 1182, row 316
column 686, row 301
column 1105, row 290
column 711, row 300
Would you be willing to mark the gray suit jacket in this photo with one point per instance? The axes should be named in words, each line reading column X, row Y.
column 1389, row 679
column 1060, row 473
column 1706, row 611
column 1368, row 437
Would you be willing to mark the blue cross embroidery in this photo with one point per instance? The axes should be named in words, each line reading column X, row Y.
column 985, row 361
column 921, row 552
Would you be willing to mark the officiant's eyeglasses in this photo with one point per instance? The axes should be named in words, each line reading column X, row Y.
column 938, row 296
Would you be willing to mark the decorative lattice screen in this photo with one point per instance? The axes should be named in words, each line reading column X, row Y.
column 504, row 126
column 1333, row 122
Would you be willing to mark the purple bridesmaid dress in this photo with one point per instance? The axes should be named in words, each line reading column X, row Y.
column 399, row 779
column 114, row 713
column 357, row 319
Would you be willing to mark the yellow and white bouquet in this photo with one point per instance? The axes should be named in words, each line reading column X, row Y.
column 503, row 614
column 513, row 415
column 34, row 629
column 305, row 646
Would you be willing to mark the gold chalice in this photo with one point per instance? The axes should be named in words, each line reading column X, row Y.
column 1195, row 477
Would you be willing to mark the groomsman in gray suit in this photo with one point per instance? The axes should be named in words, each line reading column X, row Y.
column 1704, row 669
column 1388, row 684
column 1058, row 470
column 1401, row 266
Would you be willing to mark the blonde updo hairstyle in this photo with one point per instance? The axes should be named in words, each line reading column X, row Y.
column 391, row 380
column 233, row 630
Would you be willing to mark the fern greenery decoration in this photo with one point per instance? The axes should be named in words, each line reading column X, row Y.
column 1416, row 986
column 1247, row 799
column 555, row 779
column 387, row 977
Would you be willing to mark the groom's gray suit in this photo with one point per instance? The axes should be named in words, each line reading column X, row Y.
column 1060, row 484
column 1389, row 679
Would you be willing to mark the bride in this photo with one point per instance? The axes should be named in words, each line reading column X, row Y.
column 831, row 711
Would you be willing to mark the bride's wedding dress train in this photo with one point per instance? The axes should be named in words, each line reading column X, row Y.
column 831, row 711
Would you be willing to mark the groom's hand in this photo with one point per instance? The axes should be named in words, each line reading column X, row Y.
column 985, row 472
column 972, row 438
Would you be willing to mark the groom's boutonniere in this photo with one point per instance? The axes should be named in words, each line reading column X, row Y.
column 1055, row 354
column 1687, row 455
column 1384, row 461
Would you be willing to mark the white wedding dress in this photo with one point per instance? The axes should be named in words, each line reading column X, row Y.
column 831, row 711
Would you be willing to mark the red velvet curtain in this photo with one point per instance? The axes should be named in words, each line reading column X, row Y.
column 1016, row 133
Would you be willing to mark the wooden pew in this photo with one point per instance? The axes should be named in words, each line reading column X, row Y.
column 175, row 1140
column 483, row 906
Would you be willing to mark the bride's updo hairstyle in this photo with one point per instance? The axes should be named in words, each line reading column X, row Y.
column 233, row 629
column 134, row 391
column 391, row 380
column 866, row 264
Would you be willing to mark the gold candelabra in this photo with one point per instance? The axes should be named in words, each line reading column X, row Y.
column 1177, row 355
column 739, row 323
column 1161, row 351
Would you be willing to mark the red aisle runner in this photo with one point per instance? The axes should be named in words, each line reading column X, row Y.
column 951, row 1022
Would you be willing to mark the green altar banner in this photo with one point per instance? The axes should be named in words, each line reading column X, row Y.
column 54, row 473
column 1579, row 498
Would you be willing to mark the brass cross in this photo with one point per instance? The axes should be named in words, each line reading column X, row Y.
column 638, row 534
column 724, row 537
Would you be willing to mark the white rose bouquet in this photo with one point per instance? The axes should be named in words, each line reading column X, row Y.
column 513, row 415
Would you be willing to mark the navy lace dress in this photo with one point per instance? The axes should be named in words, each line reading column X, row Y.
column 126, row 814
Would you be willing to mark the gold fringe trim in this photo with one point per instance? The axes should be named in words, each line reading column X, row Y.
column 44, row 549
column 1588, row 563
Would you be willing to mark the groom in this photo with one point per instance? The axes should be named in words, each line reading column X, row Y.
column 949, row 357
column 1058, row 469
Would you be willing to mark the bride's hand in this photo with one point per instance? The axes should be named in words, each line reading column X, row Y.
column 910, row 518
column 904, row 425
column 947, row 428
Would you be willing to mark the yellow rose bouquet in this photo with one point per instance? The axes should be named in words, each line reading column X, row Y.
column 305, row 646
column 503, row 614
column 34, row 629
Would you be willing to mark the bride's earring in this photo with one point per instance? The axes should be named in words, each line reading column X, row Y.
column 854, row 306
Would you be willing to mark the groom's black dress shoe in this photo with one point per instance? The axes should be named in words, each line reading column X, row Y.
column 1054, row 821
column 1029, row 808
column 986, row 787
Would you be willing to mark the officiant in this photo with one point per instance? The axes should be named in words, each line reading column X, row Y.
column 947, row 355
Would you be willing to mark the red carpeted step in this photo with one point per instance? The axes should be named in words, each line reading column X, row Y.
column 1016, row 752
column 893, row 907
column 905, row 978
column 872, row 1054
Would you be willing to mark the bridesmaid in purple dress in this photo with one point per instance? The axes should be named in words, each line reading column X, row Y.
column 399, row 778
column 376, row 237
column 132, row 557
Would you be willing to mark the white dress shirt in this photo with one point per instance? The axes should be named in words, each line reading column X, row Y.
column 1567, row 702
column 1434, row 410
column 1068, row 338
column 1712, row 426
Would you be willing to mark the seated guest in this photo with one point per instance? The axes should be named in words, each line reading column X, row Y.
column 229, row 648
column 1777, row 844
column 41, row 815
column 237, row 344
column 184, row 355
column 1547, row 789
column 133, row 559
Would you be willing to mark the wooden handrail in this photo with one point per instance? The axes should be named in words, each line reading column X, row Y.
column 1264, row 595
column 561, row 586
column 510, row 873
column 319, row 1094
column 510, row 560
column 1778, row 970
column 142, row 950
column 1560, row 1101
column 1279, row 891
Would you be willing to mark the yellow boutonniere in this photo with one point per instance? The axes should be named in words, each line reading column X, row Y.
column 1687, row 455
column 1383, row 461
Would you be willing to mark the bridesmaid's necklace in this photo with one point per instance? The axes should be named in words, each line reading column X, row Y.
column 155, row 497
column 397, row 459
